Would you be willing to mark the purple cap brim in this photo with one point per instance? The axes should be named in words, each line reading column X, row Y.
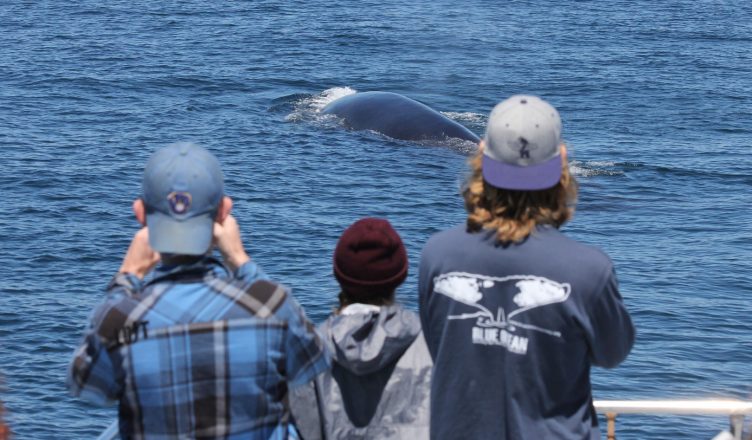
column 192, row 236
column 523, row 178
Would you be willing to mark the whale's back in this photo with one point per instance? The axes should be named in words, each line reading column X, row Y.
column 396, row 116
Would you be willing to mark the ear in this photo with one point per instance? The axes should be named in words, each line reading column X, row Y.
column 225, row 206
column 563, row 149
column 139, row 210
column 481, row 145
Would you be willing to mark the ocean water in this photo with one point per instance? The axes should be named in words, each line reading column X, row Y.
column 656, row 101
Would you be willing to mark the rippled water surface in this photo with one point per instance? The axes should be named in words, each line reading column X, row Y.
column 656, row 99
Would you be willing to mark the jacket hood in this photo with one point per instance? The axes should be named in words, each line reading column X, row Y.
column 364, row 338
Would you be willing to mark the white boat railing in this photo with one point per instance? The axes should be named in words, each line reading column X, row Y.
column 735, row 409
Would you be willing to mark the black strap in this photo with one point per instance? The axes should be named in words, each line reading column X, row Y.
column 319, row 409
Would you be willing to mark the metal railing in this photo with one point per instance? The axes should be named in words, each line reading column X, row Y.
column 735, row 409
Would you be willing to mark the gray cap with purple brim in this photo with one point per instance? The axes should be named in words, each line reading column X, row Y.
column 522, row 145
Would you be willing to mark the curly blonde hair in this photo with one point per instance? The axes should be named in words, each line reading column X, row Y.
column 515, row 214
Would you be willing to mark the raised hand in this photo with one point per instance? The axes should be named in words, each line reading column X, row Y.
column 140, row 258
column 227, row 240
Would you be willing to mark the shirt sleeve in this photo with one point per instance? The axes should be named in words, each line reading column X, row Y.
column 611, row 333
column 250, row 272
column 306, row 355
column 425, row 289
column 91, row 373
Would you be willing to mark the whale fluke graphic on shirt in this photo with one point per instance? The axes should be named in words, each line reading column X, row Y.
column 500, row 327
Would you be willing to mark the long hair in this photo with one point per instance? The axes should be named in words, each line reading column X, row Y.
column 515, row 214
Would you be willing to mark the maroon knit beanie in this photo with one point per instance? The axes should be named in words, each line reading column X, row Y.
column 370, row 259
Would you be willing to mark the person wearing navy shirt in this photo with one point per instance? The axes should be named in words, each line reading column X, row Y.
column 514, row 312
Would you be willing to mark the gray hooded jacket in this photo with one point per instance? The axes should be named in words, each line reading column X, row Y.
column 379, row 384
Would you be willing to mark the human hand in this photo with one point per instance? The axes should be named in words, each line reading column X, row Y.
column 227, row 239
column 140, row 258
column 4, row 430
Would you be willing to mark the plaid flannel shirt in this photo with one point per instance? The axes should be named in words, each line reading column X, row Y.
column 198, row 353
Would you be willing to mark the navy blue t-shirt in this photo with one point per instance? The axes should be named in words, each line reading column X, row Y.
column 513, row 332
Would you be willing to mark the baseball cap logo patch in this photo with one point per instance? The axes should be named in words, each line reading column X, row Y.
column 180, row 202
column 524, row 151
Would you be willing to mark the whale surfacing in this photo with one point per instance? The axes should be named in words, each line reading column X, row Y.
column 396, row 116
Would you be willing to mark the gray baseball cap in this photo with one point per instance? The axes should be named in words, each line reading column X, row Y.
column 522, row 145
column 182, row 189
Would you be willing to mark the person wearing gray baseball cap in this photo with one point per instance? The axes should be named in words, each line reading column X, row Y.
column 514, row 312
column 193, row 346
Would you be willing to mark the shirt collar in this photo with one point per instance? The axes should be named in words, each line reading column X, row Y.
column 193, row 270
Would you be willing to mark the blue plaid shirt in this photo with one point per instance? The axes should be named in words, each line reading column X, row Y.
column 197, row 352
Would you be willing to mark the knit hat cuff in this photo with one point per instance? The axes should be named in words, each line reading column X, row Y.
column 395, row 279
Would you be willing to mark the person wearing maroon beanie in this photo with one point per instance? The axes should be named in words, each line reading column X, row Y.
column 379, row 384
column 370, row 262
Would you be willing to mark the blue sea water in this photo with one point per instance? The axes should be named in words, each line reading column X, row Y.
column 656, row 99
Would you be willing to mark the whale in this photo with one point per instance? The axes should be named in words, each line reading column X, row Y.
column 396, row 116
